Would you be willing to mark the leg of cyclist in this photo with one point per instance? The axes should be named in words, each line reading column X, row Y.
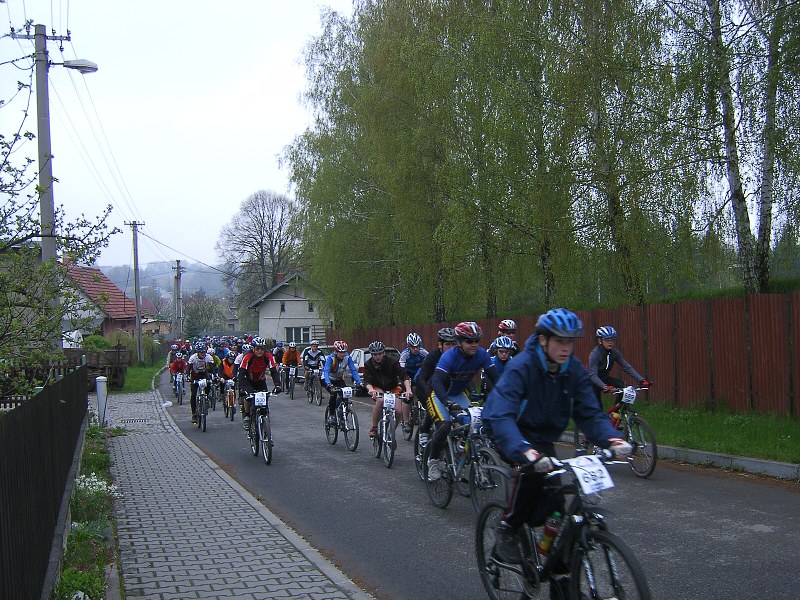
column 441, row 416
column 377, row 408
column 339, row 383
column 193, row 401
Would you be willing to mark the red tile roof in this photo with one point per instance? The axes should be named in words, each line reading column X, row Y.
column 100, row 289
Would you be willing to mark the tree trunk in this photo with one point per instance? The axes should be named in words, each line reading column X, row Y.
column 740, row 215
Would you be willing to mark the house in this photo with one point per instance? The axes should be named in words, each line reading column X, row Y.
column 108, row 307
column 289, row 311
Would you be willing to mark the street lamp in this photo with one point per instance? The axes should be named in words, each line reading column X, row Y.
column 46, row 202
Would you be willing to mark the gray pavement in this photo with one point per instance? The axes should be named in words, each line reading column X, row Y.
column 187, row 530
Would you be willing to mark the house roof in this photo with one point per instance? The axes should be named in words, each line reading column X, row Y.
column 100, row 290
column 287, row 280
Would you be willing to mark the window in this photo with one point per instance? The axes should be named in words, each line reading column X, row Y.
column 298, row 335
column 283, row 306
column 310, row 306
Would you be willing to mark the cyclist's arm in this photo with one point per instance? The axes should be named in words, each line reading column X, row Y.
column 326, row 372
column 440, row 383
column 594, row 365
column 501, row 410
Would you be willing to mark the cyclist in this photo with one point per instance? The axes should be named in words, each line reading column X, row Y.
column 446, row 340
column 503, row 346
column 333, row 375
column 177, row 366
column 526, row 413
column 227, row 372
column 173, row 350
column 452, row 376
column 507, row 328
column 252, row 375
column 291, row 358
column 277, row 352
column 312, row 358
column 601, row 360
column 384, row 374
column 200, row 366
column 411, row 357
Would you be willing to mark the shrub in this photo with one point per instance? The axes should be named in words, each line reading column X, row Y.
column 90, row 583
column 92, row 499
column 95, row 343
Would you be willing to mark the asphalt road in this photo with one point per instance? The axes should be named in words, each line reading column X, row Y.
column 699, row 533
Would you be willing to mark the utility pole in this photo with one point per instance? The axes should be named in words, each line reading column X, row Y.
column 134, row 225
column 177, row 303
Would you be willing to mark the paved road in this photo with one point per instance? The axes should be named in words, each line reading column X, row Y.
column 700, row 533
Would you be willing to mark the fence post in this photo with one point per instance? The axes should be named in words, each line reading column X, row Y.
column 102, row 399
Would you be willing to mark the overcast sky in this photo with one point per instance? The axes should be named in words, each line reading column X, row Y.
column 185, row 118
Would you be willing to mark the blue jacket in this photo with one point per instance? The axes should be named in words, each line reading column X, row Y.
column 530, row 404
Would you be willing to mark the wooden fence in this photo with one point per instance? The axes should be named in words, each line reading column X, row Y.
column 740, row 353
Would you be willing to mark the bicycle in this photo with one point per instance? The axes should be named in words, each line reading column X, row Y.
column 214, row 392
column 229, row 403
column 290, row 376
column 313, row 389
column 180, row 389
column 635, row 430
column 346, row 419
column 385, row 442
column 463, row 443
column 416, row 417
column 259, row 434
column 599, row 563
column 202, row 403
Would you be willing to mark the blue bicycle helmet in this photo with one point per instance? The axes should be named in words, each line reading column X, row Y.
column 560, row 322
column 606, row 332
column 504, row 343
column 200, row 347
column 413, row 340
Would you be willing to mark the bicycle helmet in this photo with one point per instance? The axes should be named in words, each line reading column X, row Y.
column 246, row 348
column 258, row 341
column 200, row 347
column 179, row 355
column 560, row 322
column 468, row 330
column 447, row 334
column 376, row 347
column 174, row 347
column 315, row 342
column 279, row 344
column 606, row 332
column 413, row 340
column 211, row 351
column 292, row 345
column 504, row 343
column 507, row 325
column 340, row 346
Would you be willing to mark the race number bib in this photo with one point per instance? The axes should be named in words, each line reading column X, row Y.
column 629, row 395
column 347, row 392
column 202, row 384
column 592, row 474
column 261, row 399
column 475, row 418
column 388, row 400
column 292, row 371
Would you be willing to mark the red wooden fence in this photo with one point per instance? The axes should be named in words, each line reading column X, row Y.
column 739, row 353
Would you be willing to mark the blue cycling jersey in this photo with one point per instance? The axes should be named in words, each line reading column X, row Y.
column 500, row 364
column 412, row 362
column 455, row 370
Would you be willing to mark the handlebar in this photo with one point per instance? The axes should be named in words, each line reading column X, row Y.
column 618, row 391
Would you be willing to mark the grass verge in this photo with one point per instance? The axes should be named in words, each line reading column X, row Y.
column 91, row 542
column 137, row 379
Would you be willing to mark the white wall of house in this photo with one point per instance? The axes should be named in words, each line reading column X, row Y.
column 288, row 315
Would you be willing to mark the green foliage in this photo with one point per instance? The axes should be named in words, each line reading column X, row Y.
column 91, row 583
column 202, row 313
column 139, row 379
column 96, row 343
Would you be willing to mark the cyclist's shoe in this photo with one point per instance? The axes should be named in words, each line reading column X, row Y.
column 559, row 589
column 246, row 422
column 408, row 427
column 276, row 391
column 373, row 432
column 331, row 422
column 194, row 419
column 434, row 470
column 506, row 549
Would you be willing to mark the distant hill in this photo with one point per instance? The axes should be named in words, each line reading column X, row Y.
column 161, row 276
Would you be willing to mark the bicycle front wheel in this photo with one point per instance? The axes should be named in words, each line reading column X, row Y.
column 500, row 582
column 265, row 433
column 440, row 491
column 377, row 441
column 252, row 435
column 642, row 460
column 202, row 412
column 350, row 429
column 311, row 388
column 419, row 455
column 604, row 567
column 331, row 431
column 486, row 485
column 463, row 468
column 318, row 387
column 291, row 388
column 389, row 442
column 412, row 421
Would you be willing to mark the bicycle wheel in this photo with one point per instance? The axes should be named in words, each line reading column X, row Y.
column 377, row 441
column 318, row 385
column 331, row 431
column 214, row 392
column 311, row 388
column 419, row 456
column 265, row 434
column 202, row 411
column 389, row 442
column 486, row 485
column 412, row 419
column 500, row 582
column 252, row 435
column 291, row 388
column 180, row 392
column 225, row 408
column 463, row 467
column 350, row 428
column 604, row 567
column 440, row 491
column 232, row 401
column 642, row 460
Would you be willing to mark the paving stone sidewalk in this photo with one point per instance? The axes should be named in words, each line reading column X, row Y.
column 169, row 550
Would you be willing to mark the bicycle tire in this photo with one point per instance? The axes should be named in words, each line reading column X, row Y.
column 644, row 457
column 331, row 431
column 389, row 443
column 486, row 485
column 252, row 436
column 440, row 491
column 265, row 435
column 412, row 419
column 180, row 395
column 419, row 457
column 225, row 408
column 291, row 388
column 319, row 392
column 463, row 468
column 604, row 567
column 310, row 389
column 500, row 583
column 377, row 441
column 351, row 433
column 232, row 400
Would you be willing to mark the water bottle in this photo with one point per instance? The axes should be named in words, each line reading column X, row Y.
column 551, row 527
